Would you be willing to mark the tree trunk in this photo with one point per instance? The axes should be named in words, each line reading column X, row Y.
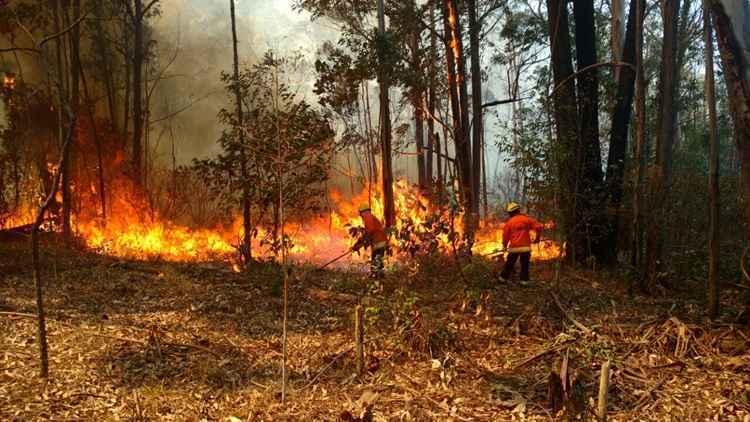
column 431, row 148
column 128, row 84
column 75, row 99
column 459, row 105
column 617, row 38
column 590, row 192
column 640, row 139
column 102, row 49
column 246, row 247
column 475, row 28
column 713, row 166
column 616, row 161
column 62, row 129
column 485, row 204
column 438, row 163
column 661, row 176
column 730, row 19
column 565, row 114
column 90, row 106
column 417, row 98
column 36, row 265
column 385, row 127
column 138, row 59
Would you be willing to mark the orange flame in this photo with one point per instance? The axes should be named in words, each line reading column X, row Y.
column 315, row 240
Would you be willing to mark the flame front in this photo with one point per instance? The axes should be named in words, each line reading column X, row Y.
column 314, row 240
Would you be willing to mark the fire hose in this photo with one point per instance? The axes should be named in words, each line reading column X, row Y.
column 345, row 254
column 495, row 253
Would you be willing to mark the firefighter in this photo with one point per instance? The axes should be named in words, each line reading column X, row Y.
column 375, row 237
column 517, row 241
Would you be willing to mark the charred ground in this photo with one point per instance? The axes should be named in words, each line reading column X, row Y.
column 134, row 340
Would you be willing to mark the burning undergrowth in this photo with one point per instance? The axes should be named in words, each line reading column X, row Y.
column 133, row 229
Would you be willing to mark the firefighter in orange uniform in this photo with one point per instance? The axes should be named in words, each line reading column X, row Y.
column 517, row 240
column 377, row 239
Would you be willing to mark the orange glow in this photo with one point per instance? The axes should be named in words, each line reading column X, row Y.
column 133, row 232
column 9, row 81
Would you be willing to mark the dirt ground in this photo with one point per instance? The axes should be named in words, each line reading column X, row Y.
column 186, row 342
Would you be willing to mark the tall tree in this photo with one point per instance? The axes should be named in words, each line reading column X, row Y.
column 137, row 12
column 102, row 51
column 618, row 36
column 65, row 171
column 616, row 161
column 590, row 207
column 661, row 176
column 732, row 35
column 713, row 166
column 456, row 72
column 477, row 124
column 640, row 140
column 417, row 101
column 246, row 247
column 385, row 121
column 432, row 146
column 565, row 114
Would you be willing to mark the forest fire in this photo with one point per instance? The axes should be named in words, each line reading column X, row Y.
column 314, row 240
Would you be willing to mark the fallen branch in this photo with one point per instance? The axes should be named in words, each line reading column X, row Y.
column 18, row 314
column 646, row 394
column 575, row 322
column 541, row 353
column 135, row 340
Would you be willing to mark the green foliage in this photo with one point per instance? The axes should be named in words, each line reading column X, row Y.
column 285, row 143
column 402, row 308
column 340, row 75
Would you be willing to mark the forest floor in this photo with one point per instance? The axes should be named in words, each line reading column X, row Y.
column 133, row 340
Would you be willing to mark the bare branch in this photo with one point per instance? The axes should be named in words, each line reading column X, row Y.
column 176, row 112
column 501, row 102
column 22, row 49
column 588, row 68
column 148, row 7
column 66, row 30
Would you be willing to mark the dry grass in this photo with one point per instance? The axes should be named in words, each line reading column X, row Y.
column 157, row 341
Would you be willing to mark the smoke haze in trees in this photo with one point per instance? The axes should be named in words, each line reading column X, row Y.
column 199, row 30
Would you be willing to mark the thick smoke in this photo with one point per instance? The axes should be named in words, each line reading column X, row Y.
column 197, row 34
